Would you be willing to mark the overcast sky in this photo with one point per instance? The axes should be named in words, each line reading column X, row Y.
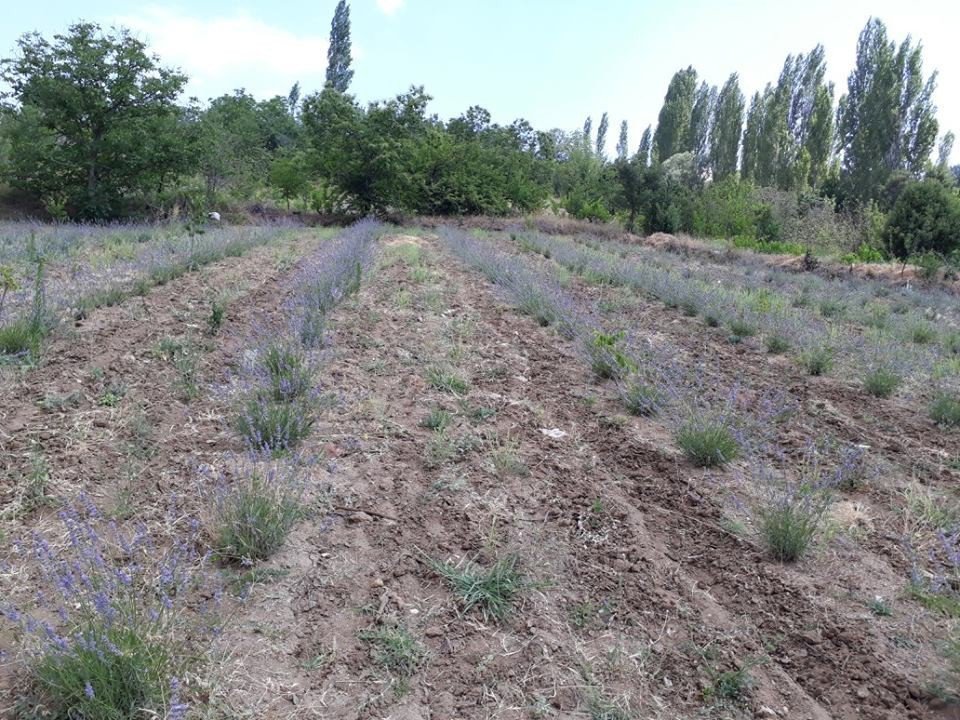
column 552, row 62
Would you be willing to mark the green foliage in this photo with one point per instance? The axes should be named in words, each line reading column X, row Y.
column 120, row 683
column 818, row 360
column 607, row 359
column 253, row 518
column 881, row 381
column 339, row 58
column 215, row 318
column 726, row 130
column 289, row 176
column 438, row 420
column 271, row 425
column 945, row 410
column 673, row 124
column 492, row 591
column 97, row 120
column 925, row 218
column 447, row 381
column 707, row 442
column 396, row 650
column 874, row 141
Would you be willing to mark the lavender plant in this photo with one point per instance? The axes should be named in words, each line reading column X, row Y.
column 109, row 637
column 255, row 512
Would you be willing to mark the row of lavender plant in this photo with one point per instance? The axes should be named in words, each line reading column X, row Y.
column 278, row 395
column 927, row 315
column 882, row 363
column 47, row 283
column 712, row 426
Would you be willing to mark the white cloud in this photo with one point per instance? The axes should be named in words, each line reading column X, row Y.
column 389, row 7
column 226, row 52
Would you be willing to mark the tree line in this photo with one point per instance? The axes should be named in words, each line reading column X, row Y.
column 93, row 127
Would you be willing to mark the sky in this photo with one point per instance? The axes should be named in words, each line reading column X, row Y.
column 552, row 62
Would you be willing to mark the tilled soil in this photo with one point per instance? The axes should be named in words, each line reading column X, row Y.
column 639, row 599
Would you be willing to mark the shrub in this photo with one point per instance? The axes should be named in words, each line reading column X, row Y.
column 639, row 395
column 791, row 510
column 288, row 374
column 946, row 411
column 492, row 591
column 437, row 420
column 447, row 381
column 607, row 359
column 707, row 441
column 741, row 328
column 266, row 424
column 215, row 318
column 253, row 517
column 925, row 218
column 818, row 360
column 776, row 344
column 881, row 381
column 120, row 647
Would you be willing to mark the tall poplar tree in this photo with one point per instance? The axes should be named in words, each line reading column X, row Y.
column 673, row 123
column 646, row 146
column 339, row 73
column 886, row 121
column 701, row 121
column 623, row 145
column 602, row 134
column 727, row 127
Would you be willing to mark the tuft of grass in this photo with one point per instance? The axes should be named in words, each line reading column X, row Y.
column 707, row 442
column 740, row 328
column 639, row 396
column 776, row 344
column 880, row 606
column 923, row 334
column 438, row 420
column 394, row 649
column 818, row 360
column 788, row 529
column 254, row 517
column 187, row 364
column 731, row 685
column 711, row 320
column 215, row 319
column 112, row 395
column 447, row 381
column 492, row 591
column 439, row 450
column 506, row 461
column 945, row 410
column 601, row 708
column 832, row 309
column 20, row 338
column 881, row 382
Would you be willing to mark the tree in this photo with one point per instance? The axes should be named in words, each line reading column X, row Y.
column 646, row 145
column 587, row 132
column 886, row 121
column 752, row 138
column 339, row 73
column 945, row 150
column 673, row 123
column 289, row 176
column 293, row 100
column 602, row 134
column 701, row 120
column 925, row 218
column 727, row 127
column 623, row 146
column 97, row 122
